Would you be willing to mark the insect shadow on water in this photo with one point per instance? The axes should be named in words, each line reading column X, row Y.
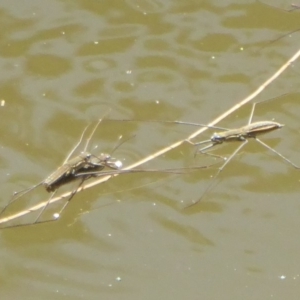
column 82, row 163
column 242, row 134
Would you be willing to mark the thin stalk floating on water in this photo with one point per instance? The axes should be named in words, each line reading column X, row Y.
column 162, row 151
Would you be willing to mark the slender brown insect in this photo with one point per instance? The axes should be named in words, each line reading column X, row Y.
column 251, row 130
column 84, row 162
column 242, row 134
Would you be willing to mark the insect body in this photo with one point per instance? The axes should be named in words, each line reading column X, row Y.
column 240, row 134
column 248, row 131
column 82, row 163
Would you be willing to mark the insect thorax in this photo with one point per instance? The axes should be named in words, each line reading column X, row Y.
column 98, row 161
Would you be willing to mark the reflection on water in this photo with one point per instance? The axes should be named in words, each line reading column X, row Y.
column 63, row 64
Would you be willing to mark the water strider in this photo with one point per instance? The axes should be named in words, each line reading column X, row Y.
column 242, row 134
column 83, row 162
column 64, row 174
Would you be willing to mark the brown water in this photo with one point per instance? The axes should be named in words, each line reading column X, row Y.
column 64, row 63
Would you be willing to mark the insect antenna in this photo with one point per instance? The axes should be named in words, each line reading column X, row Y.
column 118, row 145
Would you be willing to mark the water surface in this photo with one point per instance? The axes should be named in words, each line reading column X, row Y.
column 64, row 63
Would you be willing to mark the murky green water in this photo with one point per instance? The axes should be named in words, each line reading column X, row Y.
column 64, row 63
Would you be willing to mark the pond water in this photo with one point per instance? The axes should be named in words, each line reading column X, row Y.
column 65, row 63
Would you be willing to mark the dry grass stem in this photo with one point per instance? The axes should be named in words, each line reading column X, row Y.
column 164, row 150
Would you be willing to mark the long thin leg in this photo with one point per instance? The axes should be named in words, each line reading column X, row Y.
column 174, row 122
column 88, row 139
column 36, row 220
column 76, row 146
column 121, row 143
column 202, row 142
column 279, row 154
column 44, row 208
column 251, row 114
column 93, row 131
column 123, row 171
column 254, row 104
column 209, row 187
column 19, row 194
column 202, row 149
column 194, row 124
column 91, row 135
column 48, row 202
column 73, row 194
column 210, row 154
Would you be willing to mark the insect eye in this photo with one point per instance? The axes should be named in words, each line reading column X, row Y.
column 218, row 140
column 215, row 137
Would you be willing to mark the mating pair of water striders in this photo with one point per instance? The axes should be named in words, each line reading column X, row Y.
column 87, row 165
